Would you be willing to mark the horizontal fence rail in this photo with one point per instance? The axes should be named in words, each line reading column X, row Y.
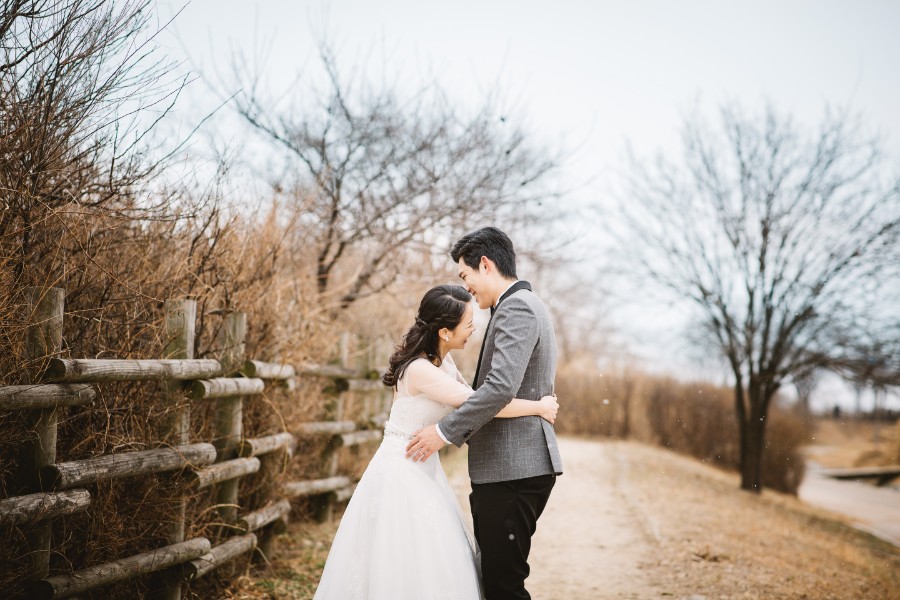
column 34, row 397
column 296, row 489
column 223, row 471
column 127, row 464
column 325, row 428
column 40, row 507
column 63, row 586
column 264, row 445
column 225, row 387
column 262, row 517
column 221, row 554
column 266, row 370
column 80, row 370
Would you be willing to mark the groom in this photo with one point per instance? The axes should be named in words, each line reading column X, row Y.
column 513, row 463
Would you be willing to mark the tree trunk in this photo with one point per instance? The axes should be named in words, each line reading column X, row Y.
column 753, row 437
column 742, row 419
column 751, row 455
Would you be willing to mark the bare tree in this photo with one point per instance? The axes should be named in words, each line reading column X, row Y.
column 784, row 240
column 80, row 88
column 380, row 175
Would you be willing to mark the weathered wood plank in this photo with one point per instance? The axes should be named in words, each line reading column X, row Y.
column 264, row 516
column 355, row 438
column 225, row 387
column 366, row 385
column 223, row 471
column 127, row 464
column 48, row 395
column 219, row 555
column 324, row 511
column 229, row 411
column 89, row 369
column 332, row 371
column 174, row 424
column 267, row 370
column 296, row 489
column 43, row 340
column 43, row 506
column 344, row 494
column 324, row 428
column 63, row 586
column 269, row 443
column 378, row 420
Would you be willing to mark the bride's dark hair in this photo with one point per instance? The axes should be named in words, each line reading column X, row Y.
column 441, row 306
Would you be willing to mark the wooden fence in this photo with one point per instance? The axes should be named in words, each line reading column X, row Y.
column 60, row 488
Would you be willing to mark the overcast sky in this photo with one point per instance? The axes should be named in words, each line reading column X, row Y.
column 589, row 72
column 588, row 75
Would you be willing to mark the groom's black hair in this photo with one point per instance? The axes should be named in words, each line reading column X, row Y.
column 490, row 242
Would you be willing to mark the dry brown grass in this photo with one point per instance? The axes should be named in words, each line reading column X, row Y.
column 844, row 443
column 721, row 542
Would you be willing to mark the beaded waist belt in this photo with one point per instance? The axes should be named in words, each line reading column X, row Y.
column 391, row 431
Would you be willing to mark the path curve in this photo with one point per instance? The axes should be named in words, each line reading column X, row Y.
column 872, row 509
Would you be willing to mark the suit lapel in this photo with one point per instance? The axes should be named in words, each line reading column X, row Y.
column 519, row 285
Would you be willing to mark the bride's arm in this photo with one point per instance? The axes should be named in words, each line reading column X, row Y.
column 545, row 408
column 425, row 378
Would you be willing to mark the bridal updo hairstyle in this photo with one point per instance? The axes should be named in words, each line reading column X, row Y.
column 441, row 306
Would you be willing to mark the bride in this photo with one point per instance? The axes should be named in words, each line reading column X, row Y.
column 403, row 535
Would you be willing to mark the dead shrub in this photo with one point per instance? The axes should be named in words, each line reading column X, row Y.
column 691, row 418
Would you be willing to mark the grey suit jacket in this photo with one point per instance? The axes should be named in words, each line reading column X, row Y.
column 519, row 361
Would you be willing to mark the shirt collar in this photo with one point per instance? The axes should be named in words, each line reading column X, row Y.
column 504, row 291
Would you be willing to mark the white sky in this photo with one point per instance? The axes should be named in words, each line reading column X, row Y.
column 589, row 75
column 592, row 72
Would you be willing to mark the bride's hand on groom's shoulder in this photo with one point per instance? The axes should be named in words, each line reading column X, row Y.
column 549, row 406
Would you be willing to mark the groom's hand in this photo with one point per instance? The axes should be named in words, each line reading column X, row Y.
column 425, row 442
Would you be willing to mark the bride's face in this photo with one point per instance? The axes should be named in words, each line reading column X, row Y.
column 460, row 334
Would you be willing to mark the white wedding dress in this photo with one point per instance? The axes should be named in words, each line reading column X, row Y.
column 403, row 536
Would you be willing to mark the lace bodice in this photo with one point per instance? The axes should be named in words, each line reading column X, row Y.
column 411, row 412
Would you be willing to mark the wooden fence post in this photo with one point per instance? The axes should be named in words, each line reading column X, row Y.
column 43, row 340
column 330, row 458
column 175, row 427
column 229, row 411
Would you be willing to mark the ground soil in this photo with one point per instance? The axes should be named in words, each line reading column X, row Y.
column 629, row 521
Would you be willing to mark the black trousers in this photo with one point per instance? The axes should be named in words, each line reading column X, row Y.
column 505, row 517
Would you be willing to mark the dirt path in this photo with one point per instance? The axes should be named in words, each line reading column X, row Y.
column 593, row 540
column 629, row 521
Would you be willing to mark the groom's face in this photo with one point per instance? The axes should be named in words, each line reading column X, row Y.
column 476, row 282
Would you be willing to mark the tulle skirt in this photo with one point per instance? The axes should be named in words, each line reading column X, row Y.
column 402, row 536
